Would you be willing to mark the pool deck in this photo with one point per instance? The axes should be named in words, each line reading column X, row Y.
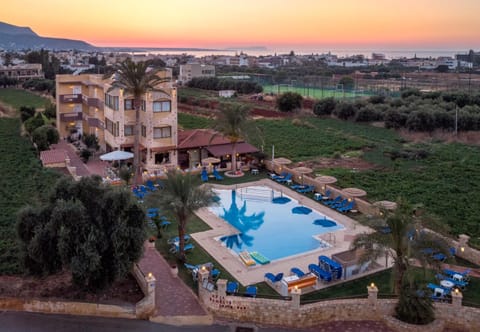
column 339, row 240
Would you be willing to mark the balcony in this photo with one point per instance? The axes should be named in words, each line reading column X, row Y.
column 93, row 102
column 71, row 99
column 97, row 123
column 70, row 117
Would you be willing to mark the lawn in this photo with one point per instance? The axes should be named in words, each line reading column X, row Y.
column 23, row 181
column 316, row 93
column 18, row 98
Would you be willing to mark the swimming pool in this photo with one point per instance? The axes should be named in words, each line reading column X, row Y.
column 275, row 230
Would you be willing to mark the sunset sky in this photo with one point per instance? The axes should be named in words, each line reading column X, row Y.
column 270, row 23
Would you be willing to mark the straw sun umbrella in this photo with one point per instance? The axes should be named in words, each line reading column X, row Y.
column 303, row 170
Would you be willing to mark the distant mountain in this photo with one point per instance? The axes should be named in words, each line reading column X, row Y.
column 13, row 37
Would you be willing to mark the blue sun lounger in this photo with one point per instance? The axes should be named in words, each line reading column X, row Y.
column 320, row 273
column 274, row 278
column 176, row 239
column 305, row 190
column 188, row 247
column 299, row 273
column 346, row 208
column 285, row 179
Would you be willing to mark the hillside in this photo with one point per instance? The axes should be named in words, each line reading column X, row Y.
column 13, row 37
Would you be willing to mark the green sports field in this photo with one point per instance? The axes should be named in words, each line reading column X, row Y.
column 315, row 93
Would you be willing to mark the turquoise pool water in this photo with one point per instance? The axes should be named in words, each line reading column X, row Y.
column 271, row 229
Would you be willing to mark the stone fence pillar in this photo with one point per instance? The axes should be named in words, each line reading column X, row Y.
column 203, row 275
column 296, row 293
column 457, row 298
column 222, row 287
column 372, row 294
column 151, row 284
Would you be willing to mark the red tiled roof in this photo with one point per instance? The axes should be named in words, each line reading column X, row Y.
column 53, row 156
column 224, row 149
column 188, row 139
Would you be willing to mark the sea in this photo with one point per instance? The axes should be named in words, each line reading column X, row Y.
column 389, row 53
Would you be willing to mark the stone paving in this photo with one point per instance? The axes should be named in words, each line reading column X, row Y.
column 75, row 160
column 172, row 296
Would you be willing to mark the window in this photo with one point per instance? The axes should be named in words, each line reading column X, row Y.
column 162, row 158
column 111, row 127
column 162, row 132
column 111, row 101
column 143, row 106
column 128, row 130
column 144, row 131
column 128, row 104
column 161, row 106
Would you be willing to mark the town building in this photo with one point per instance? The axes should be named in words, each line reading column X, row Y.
column 193, row 70
column 87, row 104
column 22, row 72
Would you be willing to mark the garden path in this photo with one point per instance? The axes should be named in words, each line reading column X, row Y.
column 172, row 297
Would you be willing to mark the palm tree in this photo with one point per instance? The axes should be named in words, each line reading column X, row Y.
column 136, row 79
column 405, row 242
column 233, row 122
column 181, row 197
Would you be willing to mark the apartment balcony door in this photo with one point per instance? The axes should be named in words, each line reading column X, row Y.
column 77, row 90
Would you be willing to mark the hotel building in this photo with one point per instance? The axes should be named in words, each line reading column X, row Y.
column 87, row 104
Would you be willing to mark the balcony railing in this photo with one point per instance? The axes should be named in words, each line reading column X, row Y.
column 71, row 98
column 69, row 117
column 94, row 122
column 93, row 102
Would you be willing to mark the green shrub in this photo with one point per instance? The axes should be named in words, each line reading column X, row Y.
column 324, row 106
column 26, row 112
column 85, row 154
column 33, row 123
column 91, row 141
column 344, row 110
column 44, row 136
column 289, row 101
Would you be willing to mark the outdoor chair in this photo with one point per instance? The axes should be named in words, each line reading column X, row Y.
column 176, row 239
column 150, row 186
column 204, row 175
column 188, row 247
column 232, row 287
column 217, row 175
column 251, row 291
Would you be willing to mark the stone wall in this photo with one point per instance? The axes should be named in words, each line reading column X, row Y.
column 70, row 308
column 290, row 313
column 142, row 309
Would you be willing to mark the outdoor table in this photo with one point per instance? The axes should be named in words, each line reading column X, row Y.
column 254, row 171
column 317, row 196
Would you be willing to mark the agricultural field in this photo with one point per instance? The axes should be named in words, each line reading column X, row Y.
column 23, row 181
column 18, row 97
column 443, row 177
column 315, row 93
